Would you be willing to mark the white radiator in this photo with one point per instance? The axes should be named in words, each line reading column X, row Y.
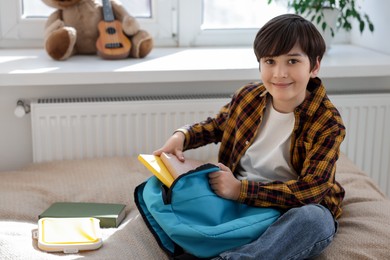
column 367, row 143
column 77, row 128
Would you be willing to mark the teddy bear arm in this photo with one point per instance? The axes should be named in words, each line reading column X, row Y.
column 130, row 25
column 56, row 15
column 119, row 10
column 53, row 22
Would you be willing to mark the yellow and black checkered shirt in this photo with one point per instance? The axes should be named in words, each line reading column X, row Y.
column 315, row 147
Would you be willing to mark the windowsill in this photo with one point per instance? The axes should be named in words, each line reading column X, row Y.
column 32, row 67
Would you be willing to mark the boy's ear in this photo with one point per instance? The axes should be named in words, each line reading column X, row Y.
column 316, row 68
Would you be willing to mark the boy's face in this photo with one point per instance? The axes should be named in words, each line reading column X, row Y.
column 286, row 77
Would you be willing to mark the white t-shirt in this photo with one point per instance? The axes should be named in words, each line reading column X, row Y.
column 268, row 158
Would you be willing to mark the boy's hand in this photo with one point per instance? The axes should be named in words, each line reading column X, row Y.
column 173, row 145
column 224, row 184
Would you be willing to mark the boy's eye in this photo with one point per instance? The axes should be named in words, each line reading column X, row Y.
column 293, row 61
column 269, row 61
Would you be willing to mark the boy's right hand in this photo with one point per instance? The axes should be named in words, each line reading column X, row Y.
column 173, row 145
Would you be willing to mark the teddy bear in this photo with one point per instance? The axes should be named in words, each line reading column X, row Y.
column 74, row 29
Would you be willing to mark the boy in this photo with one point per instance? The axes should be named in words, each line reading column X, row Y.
column 279, row 144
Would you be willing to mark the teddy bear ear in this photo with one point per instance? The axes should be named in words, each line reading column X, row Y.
column 142, row 44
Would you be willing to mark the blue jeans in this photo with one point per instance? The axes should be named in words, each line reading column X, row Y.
column 300, row 233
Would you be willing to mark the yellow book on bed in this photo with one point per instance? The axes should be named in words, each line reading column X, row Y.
column 68, row 235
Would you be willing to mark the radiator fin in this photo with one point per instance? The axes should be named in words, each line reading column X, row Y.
column 130, row 98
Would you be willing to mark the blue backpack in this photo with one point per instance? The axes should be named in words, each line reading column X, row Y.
column 190, row 217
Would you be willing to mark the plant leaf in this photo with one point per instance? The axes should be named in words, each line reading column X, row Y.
column 361, row 26
column 323, row 26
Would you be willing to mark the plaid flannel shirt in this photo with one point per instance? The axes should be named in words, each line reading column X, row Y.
column 315, row 147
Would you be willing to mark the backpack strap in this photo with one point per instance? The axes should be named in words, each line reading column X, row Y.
column 165, row 243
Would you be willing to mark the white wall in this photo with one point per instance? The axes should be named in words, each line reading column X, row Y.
column 379, row 40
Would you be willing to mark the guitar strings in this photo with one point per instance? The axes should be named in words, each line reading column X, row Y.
column 112, row 30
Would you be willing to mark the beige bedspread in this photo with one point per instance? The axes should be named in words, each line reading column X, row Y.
column 364, row 231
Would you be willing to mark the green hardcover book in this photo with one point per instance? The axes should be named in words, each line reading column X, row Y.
column 110, row 215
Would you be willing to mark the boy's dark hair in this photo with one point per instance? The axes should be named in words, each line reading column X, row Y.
column 279, row 35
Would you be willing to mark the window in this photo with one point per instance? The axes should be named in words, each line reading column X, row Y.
column 236, row 15
column 171, row 22
column 22, row 21
column 224, row 22
column 35, row 9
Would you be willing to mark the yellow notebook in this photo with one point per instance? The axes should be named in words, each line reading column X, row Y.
column 167, row 167
column 68, row 235
column 157, row 167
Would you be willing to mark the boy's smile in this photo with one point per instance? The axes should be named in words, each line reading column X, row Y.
column 286, row 77
column 281, row 85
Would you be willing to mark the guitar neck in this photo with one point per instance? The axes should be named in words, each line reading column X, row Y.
column 107, row 11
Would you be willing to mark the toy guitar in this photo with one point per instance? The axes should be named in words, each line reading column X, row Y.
column 112, row 42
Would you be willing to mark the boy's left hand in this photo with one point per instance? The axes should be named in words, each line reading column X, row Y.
column 224, row 184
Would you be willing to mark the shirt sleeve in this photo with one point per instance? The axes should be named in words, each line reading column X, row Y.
column 205, row 132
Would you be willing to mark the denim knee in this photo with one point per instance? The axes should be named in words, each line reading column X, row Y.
column 318, row 218
column 318, row 229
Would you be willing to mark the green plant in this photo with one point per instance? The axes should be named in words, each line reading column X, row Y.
column 349, row 11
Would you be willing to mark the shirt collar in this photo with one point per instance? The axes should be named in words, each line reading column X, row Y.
column 317, row 93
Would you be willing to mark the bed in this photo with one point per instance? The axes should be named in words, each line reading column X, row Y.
column 364, row 231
